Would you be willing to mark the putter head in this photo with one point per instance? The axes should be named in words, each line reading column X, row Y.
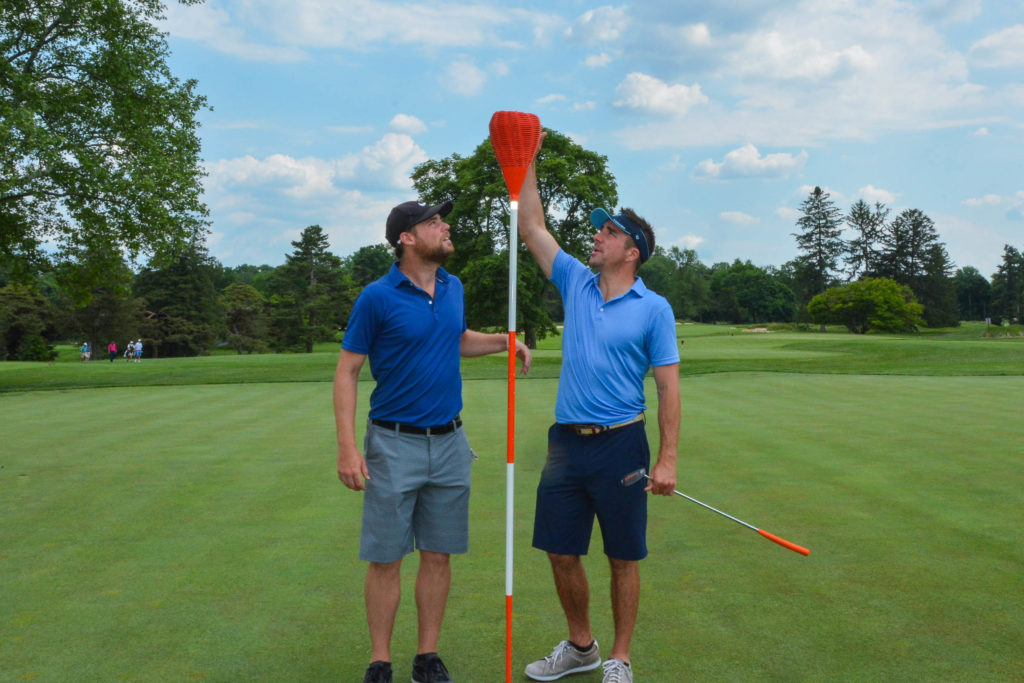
column 634, row 477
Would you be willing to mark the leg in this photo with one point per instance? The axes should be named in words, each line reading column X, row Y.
column 383, row 591
column 625, row 603
column 574, row 594
column 432, row 584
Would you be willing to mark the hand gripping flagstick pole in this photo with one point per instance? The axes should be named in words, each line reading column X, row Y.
column 640, row 474
column 514, row 137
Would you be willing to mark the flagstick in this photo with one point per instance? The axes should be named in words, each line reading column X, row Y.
column 513, row 252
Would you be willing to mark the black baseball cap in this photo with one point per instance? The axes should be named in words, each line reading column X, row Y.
column 407, row 214
column 598, row 217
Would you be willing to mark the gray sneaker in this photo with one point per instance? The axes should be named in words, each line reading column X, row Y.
column 564, row 660
column 617, row 671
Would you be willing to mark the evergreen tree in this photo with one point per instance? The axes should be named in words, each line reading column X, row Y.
column 905, row 245
column 1008, row 287
column 311, row 296
column 181, row 313
column 819, row 241
column 936, row 290
column 861, row 251
column 973, row 294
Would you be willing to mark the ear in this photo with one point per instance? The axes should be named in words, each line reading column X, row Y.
column 407, row 238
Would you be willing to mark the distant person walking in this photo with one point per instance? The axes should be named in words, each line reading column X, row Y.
column 112, row 350
column 138, row 351
column 85, row 352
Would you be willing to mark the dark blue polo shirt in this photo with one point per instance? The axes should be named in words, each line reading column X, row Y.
column 412, row 341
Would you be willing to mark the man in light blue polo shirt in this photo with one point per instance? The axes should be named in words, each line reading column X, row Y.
column 615, row 330
column 415, row 476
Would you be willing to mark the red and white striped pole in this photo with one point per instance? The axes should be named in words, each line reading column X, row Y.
column 514, row 137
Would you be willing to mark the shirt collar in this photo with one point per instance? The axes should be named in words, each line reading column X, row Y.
column 638, row 287
column 396, row 277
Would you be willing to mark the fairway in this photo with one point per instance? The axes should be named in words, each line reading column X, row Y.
column 198, row 531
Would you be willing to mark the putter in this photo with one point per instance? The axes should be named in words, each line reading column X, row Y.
column 634, row 477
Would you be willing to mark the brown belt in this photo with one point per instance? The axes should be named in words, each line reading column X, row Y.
column 592, row 430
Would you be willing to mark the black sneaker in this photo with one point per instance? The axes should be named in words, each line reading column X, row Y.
column 428, row 668
column 379, row 672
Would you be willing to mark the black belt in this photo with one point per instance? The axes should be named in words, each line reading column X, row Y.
column 446, row 428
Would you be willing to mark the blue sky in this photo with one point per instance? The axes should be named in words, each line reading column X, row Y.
column 717, row 118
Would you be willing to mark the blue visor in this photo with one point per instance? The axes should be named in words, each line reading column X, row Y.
column 598, row 217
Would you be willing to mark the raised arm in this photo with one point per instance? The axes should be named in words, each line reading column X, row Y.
column 534, row 232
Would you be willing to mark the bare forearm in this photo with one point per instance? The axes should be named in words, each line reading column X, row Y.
column 475, row 343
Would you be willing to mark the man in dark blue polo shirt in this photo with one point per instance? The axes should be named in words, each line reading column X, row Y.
column 411, row 324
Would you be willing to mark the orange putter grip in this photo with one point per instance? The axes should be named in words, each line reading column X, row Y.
column 784, row 543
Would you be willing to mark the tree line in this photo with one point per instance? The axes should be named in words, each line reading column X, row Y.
column 890, row 274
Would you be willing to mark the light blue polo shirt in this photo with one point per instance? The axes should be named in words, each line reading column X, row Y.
column 412, row 341
column 607, row 347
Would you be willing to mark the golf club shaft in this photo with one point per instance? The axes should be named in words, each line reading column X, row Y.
column 771, row 537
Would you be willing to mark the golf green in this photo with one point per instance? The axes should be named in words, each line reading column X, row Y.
column 199, row 532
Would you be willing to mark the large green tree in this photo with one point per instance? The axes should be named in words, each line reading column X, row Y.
column 98, row 143
column 1008, row 286
column 819, row 241
column 973, row 293
column 245, row 317
column 878, row 304
column 25, row 319
column 905, row 244
column 310, row 295
column 181, row 309
column 573, row 181
column 744, row 293
column 935, row 289
column 862, row 249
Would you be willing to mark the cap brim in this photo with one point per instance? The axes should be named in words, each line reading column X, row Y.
column 441, row 210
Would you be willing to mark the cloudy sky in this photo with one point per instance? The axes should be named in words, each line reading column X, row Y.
column 717, row 118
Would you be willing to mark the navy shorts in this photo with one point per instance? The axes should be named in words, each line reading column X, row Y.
column 582, row 478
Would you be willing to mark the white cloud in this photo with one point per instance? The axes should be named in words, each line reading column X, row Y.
column 463, row 77
column 551, row 99
column 647, row 93
column 987, row 200
column 981, row 132
column 801, row 73
column 386, row 164
column 1001, row 49
column 739, row 218
column 778, row 55
column 697, row 34
column 350, row 130
column 410, row 125
column 214, row 27
column 688, row 242
column 747, row 162
column 604, row 24
column 872, row 194
column 589, row 105
column 598, row 60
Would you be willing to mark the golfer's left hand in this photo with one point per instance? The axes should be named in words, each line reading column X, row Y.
column 523, row 352
column 663, row 477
